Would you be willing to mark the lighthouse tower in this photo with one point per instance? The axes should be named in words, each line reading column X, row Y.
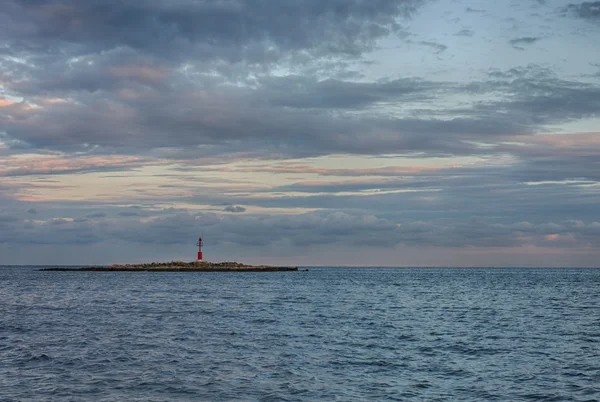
column 199, row 244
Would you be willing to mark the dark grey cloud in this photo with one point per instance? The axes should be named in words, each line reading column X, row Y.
column 32, row 211
column 251, row 30
column 96, row 215
column 302, row 92
column 59, row 221
column 118, row 95
column 180, row 119
column 8, row 218
column 465, row 32
column 534, row 97
column 530, row 72
column 438, row 47
column 73, row 165
column 129, row 92
column 128, row 214
column 113, row 70
column 234, row 209
column 588, row 10
column 303, row 116
column 519, row 42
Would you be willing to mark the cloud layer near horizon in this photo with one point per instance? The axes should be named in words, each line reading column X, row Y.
column 284, row 127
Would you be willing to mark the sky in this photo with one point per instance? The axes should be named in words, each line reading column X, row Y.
column 300, row 132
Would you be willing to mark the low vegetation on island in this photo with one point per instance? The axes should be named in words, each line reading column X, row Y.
column 178, row 266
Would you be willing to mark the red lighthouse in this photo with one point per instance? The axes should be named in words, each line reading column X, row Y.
column 199, row 244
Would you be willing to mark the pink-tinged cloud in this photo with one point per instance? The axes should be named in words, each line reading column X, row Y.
column 567, row 140
column 141, row 72
column 52, row 101
column 48, row 164
column 5, row 102
column 69, row 17
column 555, row 144
column 524, row 249
column 563, row 238
column 145, row 94
column 307, row 169
column 372, row 183
column 29, row 192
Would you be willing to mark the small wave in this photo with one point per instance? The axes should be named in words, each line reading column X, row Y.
column 40, row 358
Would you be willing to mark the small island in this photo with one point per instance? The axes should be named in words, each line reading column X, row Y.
column 180, row 266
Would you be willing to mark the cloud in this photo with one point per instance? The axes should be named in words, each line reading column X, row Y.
column 128, row 214
column 212, row 105
column 117, row 94
column 587, row 10
column 60, row 165
column 302, row 92
column 234, row 209
column 535, row 97
column 527, row 40
column 465, row 32
column 5, row 102
column 96, row 215
column 32, row 211
column 300, row 116
column 354, row 185
column 59, row 221
column 232, row 31
column 227, row 120
column 308, row 230
column 438, row 47
column 304, row 168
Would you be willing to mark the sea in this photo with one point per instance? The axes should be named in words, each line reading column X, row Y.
column 326, row 334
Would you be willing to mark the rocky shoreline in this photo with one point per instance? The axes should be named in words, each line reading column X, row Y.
column 180, row 266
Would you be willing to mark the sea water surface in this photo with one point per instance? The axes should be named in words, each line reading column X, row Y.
column 346, row 334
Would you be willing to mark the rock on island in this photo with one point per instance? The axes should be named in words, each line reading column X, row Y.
column 180, row 266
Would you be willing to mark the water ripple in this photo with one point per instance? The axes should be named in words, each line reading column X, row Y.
column 329, row 334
